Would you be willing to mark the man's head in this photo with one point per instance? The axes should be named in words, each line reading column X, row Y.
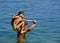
column 21, row 14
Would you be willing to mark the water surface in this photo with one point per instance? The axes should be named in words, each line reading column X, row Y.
column 46, row 12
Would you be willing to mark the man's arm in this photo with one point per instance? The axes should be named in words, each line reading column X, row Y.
column 28, row 20
column 31, row 27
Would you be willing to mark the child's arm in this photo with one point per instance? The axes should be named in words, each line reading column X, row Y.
column 15, row 16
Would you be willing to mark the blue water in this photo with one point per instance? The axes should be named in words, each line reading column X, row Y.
column 46, row 12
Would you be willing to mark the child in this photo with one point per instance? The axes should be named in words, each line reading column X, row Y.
column 17, row 21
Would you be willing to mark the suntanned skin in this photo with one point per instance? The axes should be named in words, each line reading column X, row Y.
column 20, row 33
column 17, row 20
column 16, row 25
column 21, row 37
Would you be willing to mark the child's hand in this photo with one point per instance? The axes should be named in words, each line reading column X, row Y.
column 15, row 16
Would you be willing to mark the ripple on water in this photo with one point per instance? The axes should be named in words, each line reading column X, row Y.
column 46, row 13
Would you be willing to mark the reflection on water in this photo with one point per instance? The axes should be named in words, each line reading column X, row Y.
column 46, row 12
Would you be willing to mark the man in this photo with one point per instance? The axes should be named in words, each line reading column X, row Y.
column 21, row 37
column 21, row 33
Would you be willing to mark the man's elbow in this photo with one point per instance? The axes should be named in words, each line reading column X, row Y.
column 30, row 29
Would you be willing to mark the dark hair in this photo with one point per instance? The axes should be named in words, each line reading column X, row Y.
column 21, row 12
column 12, row 21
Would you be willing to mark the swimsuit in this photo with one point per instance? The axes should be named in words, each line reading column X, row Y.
column 14, row 28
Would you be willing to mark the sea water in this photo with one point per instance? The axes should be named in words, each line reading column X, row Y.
column 46, row 12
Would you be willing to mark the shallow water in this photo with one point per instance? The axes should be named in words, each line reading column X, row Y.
column 46, row 12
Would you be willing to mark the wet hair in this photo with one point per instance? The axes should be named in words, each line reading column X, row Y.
column 21, row 12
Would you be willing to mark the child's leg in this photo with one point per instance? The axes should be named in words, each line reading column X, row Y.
column 23, row 30
column 18, row 26
column 23, row 26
